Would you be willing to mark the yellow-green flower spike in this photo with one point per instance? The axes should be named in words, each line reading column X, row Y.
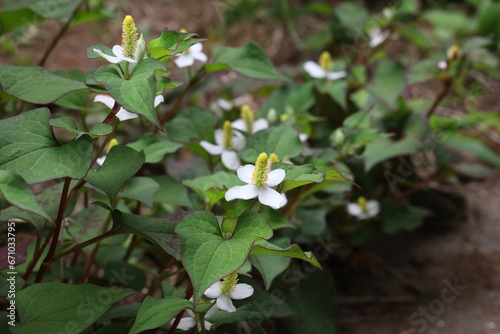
column 326, row 61
column 248, row 117
column 184, row 31
column 272, row 159
column 363, row 204
column 227, row 136
column 129, row 37
column 113, row 142
column 259, row 175
column 229, row 283
column 452, row 53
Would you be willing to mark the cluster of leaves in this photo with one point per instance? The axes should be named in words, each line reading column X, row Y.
column 149, row 231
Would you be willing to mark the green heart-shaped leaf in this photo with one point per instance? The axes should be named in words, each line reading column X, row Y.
column 29, row 147
column 136, row 94
column 207, row 255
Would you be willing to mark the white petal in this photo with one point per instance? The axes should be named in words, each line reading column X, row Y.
column 211, row 312
column 111, row 59
column 245, row 173
column 354, row 209
column 314, row 70
column 242, row 291
column 335, row 75
column 373, row 207
column 245, row 192
column 230, row 160
column 260, row 124
column 118, row 52
column 284, row 200
column 158, row 99
column 106, row 99
column 200, row 56
column 224, row 104
column 184, row 60
column 101, row 160
column 214, row 290
column 124, row 115
column 195, row 48
column 239, row 124
column 303, row 137
column 208, row 325
column 270, row 197
column 211, row 148
column 186, row 323
column 238, row 141
column 218, row 134
column 442, row 65
column 275, row 177
column 225, row 304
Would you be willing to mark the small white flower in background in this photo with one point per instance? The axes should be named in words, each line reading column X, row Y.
column 259, row 181
column 227, row 289
column 324, row 68
column 377, row 36
column 227, row 142
column 100, row 160
column 123, row 114
column 187, row 57
column 363, row 209
column 442, row 65
column 248, row 123
column 193, row 319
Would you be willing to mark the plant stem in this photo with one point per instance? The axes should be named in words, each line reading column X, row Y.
column 56, row 230
column 37, row 256
column 96, row 240
column 445, row 88
column 173, row 328
column 56, row 39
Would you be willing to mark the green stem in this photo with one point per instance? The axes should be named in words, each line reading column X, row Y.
column 56, row 231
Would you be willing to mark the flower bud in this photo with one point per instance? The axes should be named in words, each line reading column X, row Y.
column 272, row 115
column 338, row 137
column 140, row 51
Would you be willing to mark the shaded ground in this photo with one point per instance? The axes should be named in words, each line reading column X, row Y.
column 409, row 291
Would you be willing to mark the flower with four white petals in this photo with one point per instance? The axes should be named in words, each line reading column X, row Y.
column 123, row 114
column 227, row 142
column 188, row 57
column 363, row 209
column 124, row 52
column 248, row 123
column 193, row 319
column 324, row 68
column 259, row 181
column 226, row 289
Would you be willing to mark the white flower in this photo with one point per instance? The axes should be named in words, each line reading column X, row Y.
column 248, row 123
column 118, row 55
column 259, row 182
column 112, row 142
column 227, row 142
column 188, row 57
column 377, row 36
column 316, row 71
column 303, row 137
column 363, row 209
column 123, row 114
column 442, row 65
column 227, row 289
column 193, row 319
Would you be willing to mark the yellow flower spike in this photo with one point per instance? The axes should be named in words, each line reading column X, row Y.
column 452, row 53
column 259, row 175
column 229, row 283
column 113, row 142
column 326, row 61
column 248, row 117
column 227, row 137
column 273, row 158
column 285, row 117
column 184, row 31
column 129, row 36
column 363, row 204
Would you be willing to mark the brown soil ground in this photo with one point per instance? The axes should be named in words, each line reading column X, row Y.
column 411, row 287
